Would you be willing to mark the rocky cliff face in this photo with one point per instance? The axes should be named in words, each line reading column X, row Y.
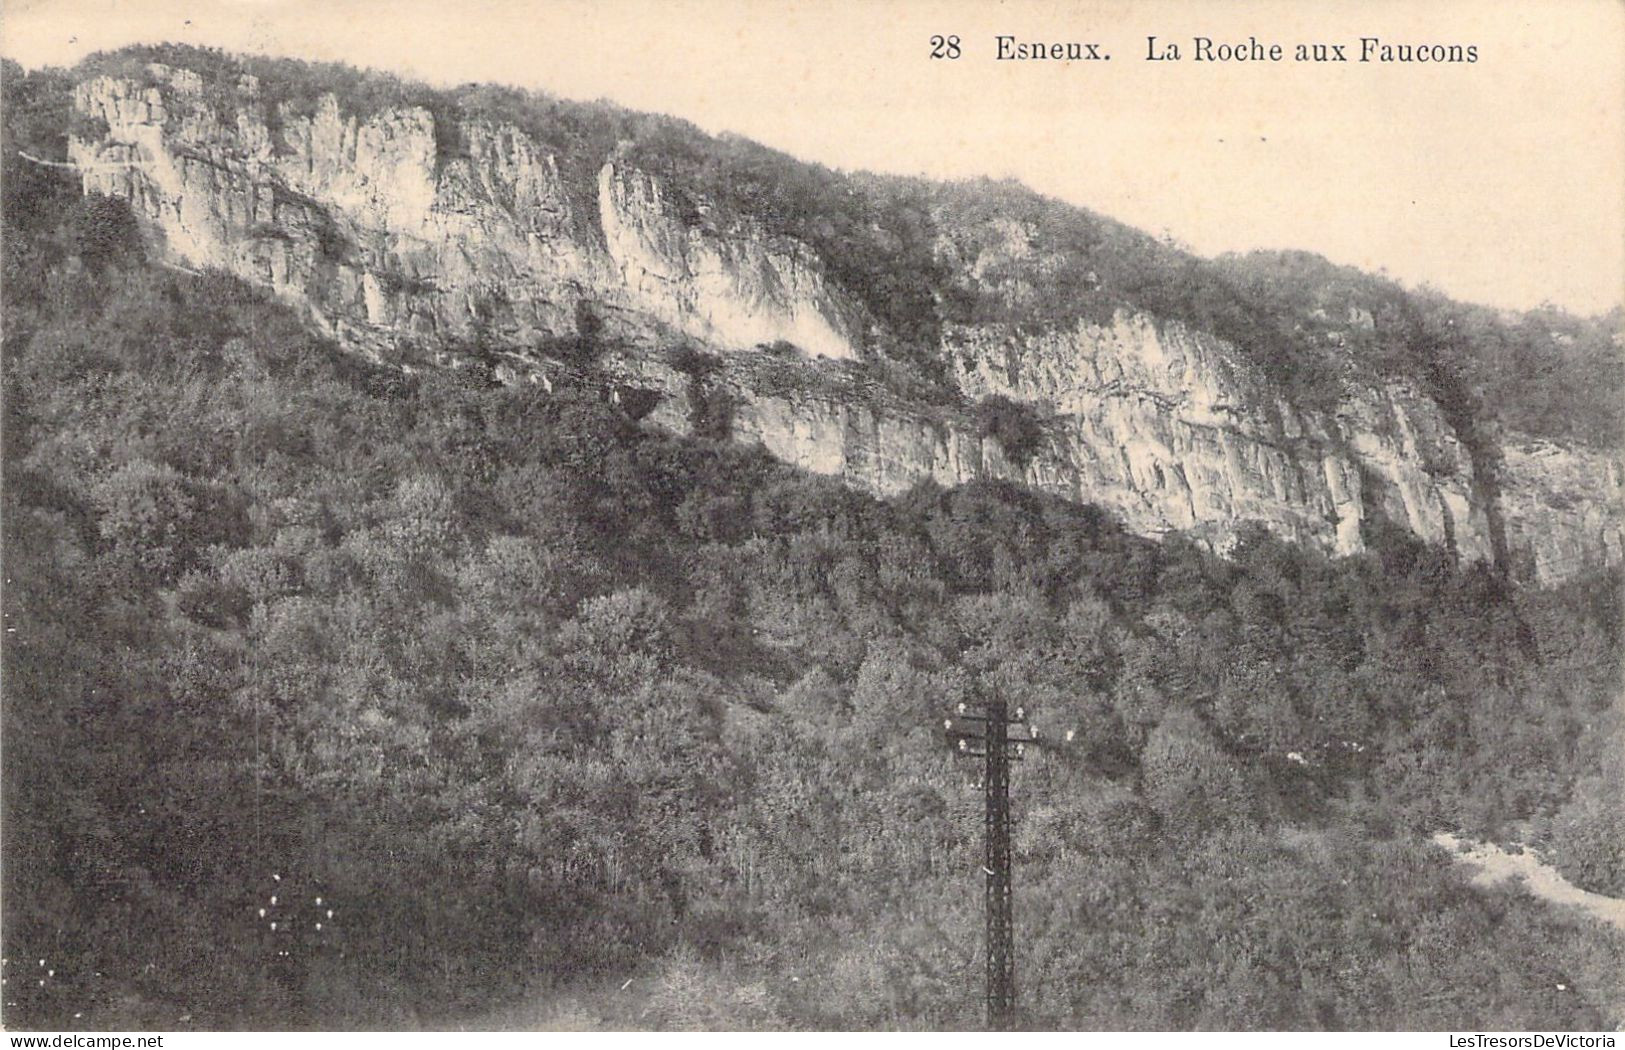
column 385, row 243
column 409, row 255
column 1562, row 509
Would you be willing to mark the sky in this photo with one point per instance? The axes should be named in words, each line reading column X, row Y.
column 1500, row 181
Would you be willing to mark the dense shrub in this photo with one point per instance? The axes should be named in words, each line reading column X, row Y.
column 1587, row 837
column 1016, row 426
column 104, row 230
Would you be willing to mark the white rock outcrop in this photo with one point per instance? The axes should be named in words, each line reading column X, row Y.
column 407, row 248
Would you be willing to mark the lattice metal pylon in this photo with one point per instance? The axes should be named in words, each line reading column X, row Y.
column 1001, row 955
column 986, row 736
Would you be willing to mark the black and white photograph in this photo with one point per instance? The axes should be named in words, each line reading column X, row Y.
column 883, row 516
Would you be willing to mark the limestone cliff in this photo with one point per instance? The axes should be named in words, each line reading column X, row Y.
column 1561, row 507
column 410, row 254
column 363, row 224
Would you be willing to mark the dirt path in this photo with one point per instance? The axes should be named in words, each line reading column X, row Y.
column 1492, row 865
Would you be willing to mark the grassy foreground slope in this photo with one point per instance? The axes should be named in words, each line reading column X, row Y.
column 525, row 693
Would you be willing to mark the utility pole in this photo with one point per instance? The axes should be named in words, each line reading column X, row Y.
column 987, row 736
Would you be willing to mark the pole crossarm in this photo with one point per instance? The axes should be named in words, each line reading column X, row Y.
column 971, row 736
